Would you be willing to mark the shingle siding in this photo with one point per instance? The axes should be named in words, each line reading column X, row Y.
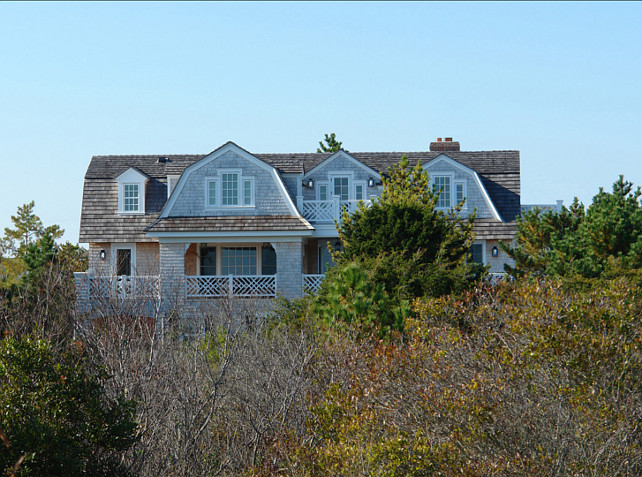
column 499, row 172
column 191, row 201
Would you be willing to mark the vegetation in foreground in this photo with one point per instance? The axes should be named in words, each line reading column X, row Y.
column 541, row 375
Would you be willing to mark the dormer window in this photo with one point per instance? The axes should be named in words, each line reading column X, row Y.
column 130, row 198
column 230, row 189
column 131, row 191
column 442, row 186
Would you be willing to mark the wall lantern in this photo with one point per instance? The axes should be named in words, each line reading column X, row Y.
column 495, row 252
column 309, row 183
column 103, row 255
column 371, row 182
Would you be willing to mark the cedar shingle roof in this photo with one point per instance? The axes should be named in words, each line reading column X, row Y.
column 499, row 171
column 258, row 223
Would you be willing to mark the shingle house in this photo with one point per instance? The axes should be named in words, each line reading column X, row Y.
column 235, row 223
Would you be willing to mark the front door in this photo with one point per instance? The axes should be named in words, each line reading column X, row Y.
column 123, row 262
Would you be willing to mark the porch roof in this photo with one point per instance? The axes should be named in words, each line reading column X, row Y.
column 257, row 223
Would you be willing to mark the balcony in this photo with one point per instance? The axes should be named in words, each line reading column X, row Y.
column 327, row 211
column 122, row 286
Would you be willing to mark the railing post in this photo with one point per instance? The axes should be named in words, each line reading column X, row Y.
column 299, row 203
column 336, row 208
column 231, row 285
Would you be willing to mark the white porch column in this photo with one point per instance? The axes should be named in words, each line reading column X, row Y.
column 172, row 273
column 289, row 268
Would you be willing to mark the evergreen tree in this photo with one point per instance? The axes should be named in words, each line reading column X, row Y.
column 579, row 241
column 27, row 229
column 331, row 144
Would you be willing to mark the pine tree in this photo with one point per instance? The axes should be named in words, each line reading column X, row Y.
column 331, row 144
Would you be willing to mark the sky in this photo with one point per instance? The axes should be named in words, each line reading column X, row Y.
column 560, row 82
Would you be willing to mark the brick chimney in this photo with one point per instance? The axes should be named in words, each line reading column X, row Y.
column 446, row 145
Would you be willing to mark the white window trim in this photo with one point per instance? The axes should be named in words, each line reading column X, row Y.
column 240, row 190
column 318, row 187
column 141, row 198
column 363, row 184
column 114, row 255
column 209, row 180
column 342, row 175
column 433, row 176
column 465, row 184
column 219, row 260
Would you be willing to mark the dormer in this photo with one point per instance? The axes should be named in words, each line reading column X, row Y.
column 131, row 192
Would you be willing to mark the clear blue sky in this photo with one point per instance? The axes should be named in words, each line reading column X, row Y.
column 561, row 82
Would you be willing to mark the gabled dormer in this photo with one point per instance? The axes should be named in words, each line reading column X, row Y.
column 131, row 191
column 458, row 183
column 343, row 176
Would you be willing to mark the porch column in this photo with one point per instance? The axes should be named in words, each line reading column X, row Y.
column 289, row 269
column 172, row 274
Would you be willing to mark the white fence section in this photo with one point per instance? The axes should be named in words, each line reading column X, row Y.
column 207, row 286
column 327, row 211
column 311, row 283
column 123, row 286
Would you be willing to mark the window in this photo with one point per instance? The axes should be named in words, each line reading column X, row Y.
column 359, row 192
column 238, row 260
column 323, row 191
column 208, row 260
column 230, row 189
column 341, row 188
column 248, row 192
column 441, row 185
column 477, row 253
column 130, row 198
column 460, row 192
column 212, row 190
column 268, row 261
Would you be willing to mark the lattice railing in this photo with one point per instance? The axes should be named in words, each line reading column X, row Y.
column 232, row 285
column 311, row 283
column 123, row 286
column 319, row 211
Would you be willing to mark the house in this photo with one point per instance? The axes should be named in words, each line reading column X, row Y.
column 236, row 223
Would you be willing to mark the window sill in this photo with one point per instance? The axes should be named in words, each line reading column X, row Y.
column 131, row 213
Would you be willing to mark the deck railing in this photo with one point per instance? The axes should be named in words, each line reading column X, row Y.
column 327, row 211
column 123, row 286
column 242, row 286
column 312, row 282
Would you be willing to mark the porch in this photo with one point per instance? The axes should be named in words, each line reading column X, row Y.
column 93, row 288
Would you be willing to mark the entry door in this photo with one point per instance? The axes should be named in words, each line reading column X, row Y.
column 123, row 262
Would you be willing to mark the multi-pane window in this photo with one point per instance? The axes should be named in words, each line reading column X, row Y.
column 247, row 192
column 460, row 192
column 212, row 198
column 230, row 189
column 358, row 192
column 477, row 253
column 441, row 185
column 130, row 198
column 238, row 260
column 323, row 192
column 341, row 188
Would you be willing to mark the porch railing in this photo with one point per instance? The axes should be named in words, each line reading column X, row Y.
column 242, row 286
column 327, row 211
column 123, row 286
column 312, row 282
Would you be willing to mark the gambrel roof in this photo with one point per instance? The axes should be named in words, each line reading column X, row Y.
column 499, row 172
